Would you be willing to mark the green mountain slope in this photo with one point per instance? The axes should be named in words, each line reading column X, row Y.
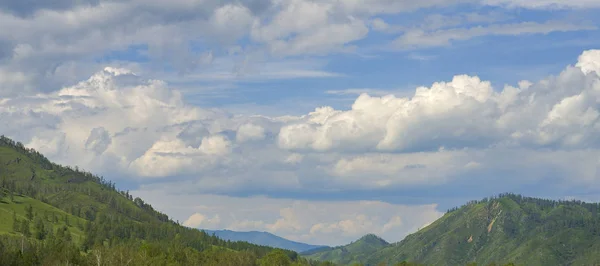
column 355, row 252
column 55, row 215
column 509, row 228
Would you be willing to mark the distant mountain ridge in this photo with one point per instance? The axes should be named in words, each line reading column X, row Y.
column 264, row 239
column 505, row 229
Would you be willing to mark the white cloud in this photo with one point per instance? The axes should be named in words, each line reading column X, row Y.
column 436, row 21
column 318, row 32
column 370, row 91
column 46, row 57
column 544, row 4
column 376, row 122
column 383, row 170
column 172, row 157
column 419, row 38
column 198, row 220
column 136, row 123
column 379, row 24
column 255, row 69
column 232, row 21
column 294, row 158
column 249, row 132
column 47, row 46
column 465, row 112
column 589, row 61
column 215, row 145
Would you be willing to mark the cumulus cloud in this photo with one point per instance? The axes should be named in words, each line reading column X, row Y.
column 248, row 132
column 466, row 112
column 385, row 123
column 589, row 61
column 198, row 220
column 114, row 114
column 125, row 119
column 215, row 145
column 172, row 157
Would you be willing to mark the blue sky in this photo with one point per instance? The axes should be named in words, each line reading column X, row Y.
column 303, row 118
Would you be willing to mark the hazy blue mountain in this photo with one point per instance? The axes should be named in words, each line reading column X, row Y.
column 263, row 238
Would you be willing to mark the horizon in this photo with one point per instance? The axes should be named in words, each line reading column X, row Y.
column 370, row 117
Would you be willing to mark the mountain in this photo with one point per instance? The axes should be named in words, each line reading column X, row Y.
column 354, row 252
column 58, row 215
column 262, row 238
column 505, row 229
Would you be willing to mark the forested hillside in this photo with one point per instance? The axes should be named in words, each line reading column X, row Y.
column 58, row 215
column 354, row 252
column 505, row 229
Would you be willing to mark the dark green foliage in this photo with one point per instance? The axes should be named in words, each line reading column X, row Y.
column 40, row 229
column 275, row 258
column 354, row 252
column 263, row 238
column 25, row 230
column 65, row 216
column 29, row 212
column 16, row 223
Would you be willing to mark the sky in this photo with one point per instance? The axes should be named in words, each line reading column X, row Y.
column 316, row 120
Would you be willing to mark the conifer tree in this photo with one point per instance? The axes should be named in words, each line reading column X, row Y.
column 40, row 230
column 29, row 212
column 16, row 224
column 25, row 228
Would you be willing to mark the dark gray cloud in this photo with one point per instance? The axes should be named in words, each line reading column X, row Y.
column 26, row 8
column 98, row 141
column 6, row 50
column 257, row 7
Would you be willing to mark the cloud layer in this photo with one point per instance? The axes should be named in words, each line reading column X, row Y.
column 444, row 140
column 47, row 46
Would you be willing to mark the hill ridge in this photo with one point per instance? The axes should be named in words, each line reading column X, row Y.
column 373, row 238
column 499, row 229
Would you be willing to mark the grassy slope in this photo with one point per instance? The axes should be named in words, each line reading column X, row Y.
column 16, row 166
column 25, row 168
column 18, row 205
